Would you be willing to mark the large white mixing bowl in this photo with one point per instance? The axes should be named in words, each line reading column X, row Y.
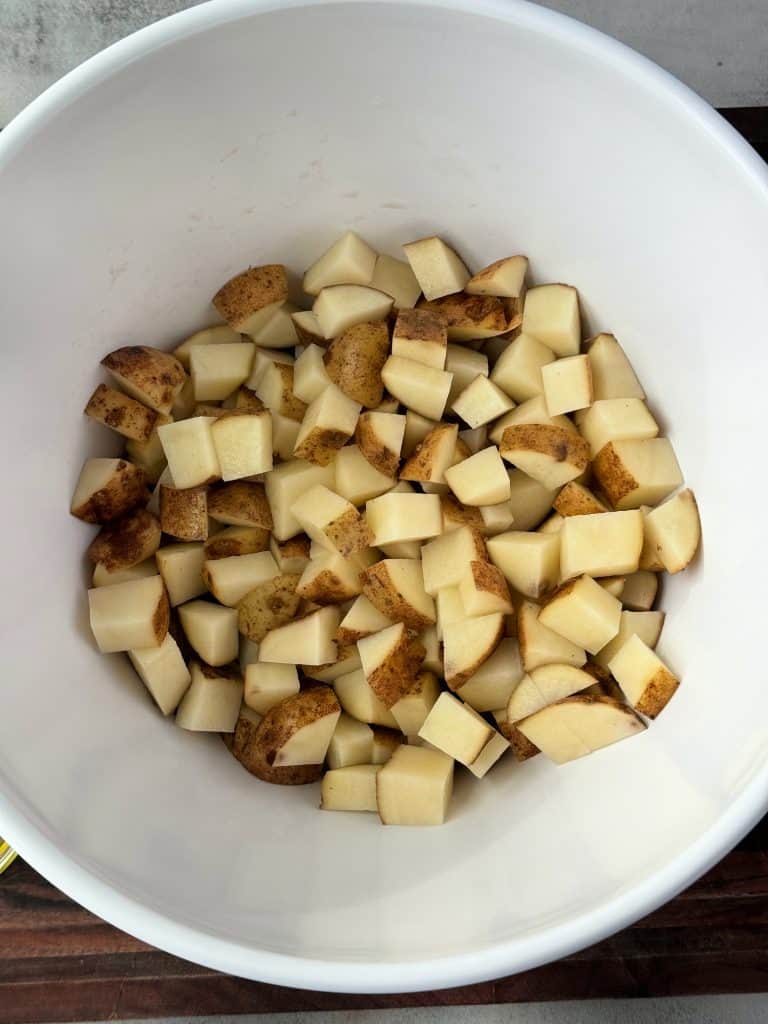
column 244, row 132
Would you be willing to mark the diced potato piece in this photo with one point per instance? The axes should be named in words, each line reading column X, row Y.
column 551, row 314
column 529, row 501
column 278, row 330
column 584, row 613
column 190, row 451
column 505, row 277
column 351, row 743
column 306, row 641
column 184, row 513
column 617, row 419
column 352, row 788
column 484, row 590
column 248, row 300
column 467, row 644
column 121, row 413
column 552, row 524
column 163, row 672
column 420, row 335
column 414, row 787
column 310, row 378
column 673, row 531
column 540, row 645
column 402, row 517
column 276, row 390
column 423, row 389
column 355, row 359
column 551, row 455
column 102, row 577
column 646, row 625
column 183, row 407
column 237, row 540
column 341, row 306
column 396, row 587
column 307, row 723
column 240, row 503
column 577, row 500
column 433, row 455
column 359, row 700
column 544, row 686
column 307, row 328
column 637, row 472
column 127, row 616
column 605, row 544
column 211, row 631
column 125, row 542
column 412, row 709
column 532, row 411
column 530, row 561
column 436, row 266
column 329, row 579
column 149, row 454
column 465, row 365
column 328, row 424
column 218, row 370
column 550, row 734
column 385, row 743
column 579, row 725
column 291, row 555
column 379, row 436
column 470, row 318
column 495, row 680
column 271, row 604
column 181, row 567
column 356, row 479
column 285, row 485
column 456, row 515
column 640, row 589
column 416, row 429
column 390, row 659
column 567, row 385
column 107, row 489
column 147, row 374
column 331, row 520
column 230, row 579
column 267, row 684
column 496, row 746
column 475, row 439
column 450, row 607
column 456, row 729
column 349, row 260
column 263, row 359
column 446, row 559
column 396, row 278
column 613, row 584
column 482, row 402
column 212, row 702
column 220, row 334
column 644, row 678
column 255, row 743
column 481, row 479
column 362, row 619
column 612, row 373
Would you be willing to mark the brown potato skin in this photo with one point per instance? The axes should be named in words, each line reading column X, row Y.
column 419, row 466
column 273, row 603
column 249, row 540
column 392, row 679
column 379, row 456
column 381, row 591
column 245, row 747
column 421, row 325
column 247, row 400
column 521, row 746
column 184, row 512
column 577, row 500
column 321, row 445
column 127, row 541
column 462, row 310
column 612, row 475
column 157, row 375
column 242, row 500
column 349, row 533
column 121, row 413
column 248, row 292
column 126, row 490
column 325, row 588
column 463, row 515
column 558, row 443
column 355, row 359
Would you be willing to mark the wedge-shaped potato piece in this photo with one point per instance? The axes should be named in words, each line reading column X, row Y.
column 126, row 542
column 446, row 560
column 646, row 625
column 149, row 454
column 391, row 659
column 211, row 631
column 310, row 377
column 190, row 451
column 181, row 567
column 212, row 702
column 432, row 455
column 639, row 592
column 495, row 680
column 616, row 419
column 577, row 500
column 469, row 317
column 291, row 555
column 416, row 429
column 184, row 513
column 331, row 520
column 396, row 587
column 414, row 787
column 240, row 503
column 237, row 540
column 456, row 515
column 306, row 641
column 468, row 644
column 496, row 519
column 475, row 439
column 359, row 700
column 341, row 306
column 396, row 278
column 285, row 485
column 482, row 402
column 645, row 680
column 276, row 390
column 298, row 731
column 505, row 277
column 121, row 413
column 349, row 260
column 219, row 334
column 269, row 605
column 637, row 472
column 355, row 359
column 129, row 616
column 456, row 729
column 263, row 359
column 356, row 479
column 230, row 579
column 521, row 746
column 518, row 370
column 247, row 746
column 329, row 579
column 578, row 726
column 379, row 436
column 362, row 619
column 532, row 411
column 529, row 561
column 420, row 335
column 102, row 577
column 465, row 364
column 673, row 531
column 328, row 424
column 484, row 590
column 496, row 746
column 279, row 331
column 543, row 686
column 267, row 684
column 152, row 377
column 436, row 266
column 423, row 389
column 567, row 385
column 108, row 489
column 540, row 645
column 605, row 544
column 551, row 314
column 248, row 300
column 552, row 524
column 307, row 328
column 351, row 743
column 164, row 673
column 612, row 373
column 529, row 501
column 397, row 517
column 583, row 612
column 412, row 709
column 613, row 584
column 351, row 788
column 481, row 479
column 551, row 455
column 218, row 370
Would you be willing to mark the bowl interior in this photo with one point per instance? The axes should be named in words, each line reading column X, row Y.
column 259, row 139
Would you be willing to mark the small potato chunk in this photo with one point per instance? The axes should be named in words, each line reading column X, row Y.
column 532, row 411
column 230, row 579
column 379, row 436
column 341, row 306
column 107, row 489
column 248, row 300
column 184, row 513
column 469, row 318
column 551, row 314
column 420, row 335
column 446, row 560
column 540, row 645
column 612, row 373
column 551, row 455
column 276, row 391
column 529, row 561
column 416, row 429
column 505, row 277
column 518, row 370
column 126, row 542
column 263, row 359
column 423, row 389
column 307, row 328
column 149, row 454
column 163, row 672
column 351, row 743
column 269, row 605
column 297, row 731
column 129, row 616
column 385, row 743
column 349, row 260
column 412, row 709
column 190, row 451
column 211, row 631
column 352, row 788
column 237, row 540
column 496, row 746
column 616, row 419
column 465, row 364
column 484, row 590
column 305, row 641
column 279, row 331
column 218, row 370
column 291, row 555
column 310, row 377
column 583, row 612
column 414, row 787
column 567, row 385
column 248, row 747
column 181, row 567
column 391, row 659
column 396, row 587
column 220, row 334
column 646, row 625
column 329, row 579
column 433, row 455
column 605, row 544
column 639, row 592
column 481, row 479
column 102, row 577
column 212, row 702
column 396, row 278
column 495, row 680
column 545, row 685
column 580, row 725
column 495, row 519
column 362, row 619
column 121, row 413
column 529, row 501
column 285, row 485
column 637, row 472
column 240, row 503
column 482, row 402
column 467, row 644
column 332, row 521
column 456, row 729
column 456, row 515
column 267, row 684
column 328, row 424
column 393, row 518
column 354, row 362
column 359, row 700
column 152, row 377
column 356, row 479
column 673, row 531
column 577, row 500
column 436, row 266
column 645, row 680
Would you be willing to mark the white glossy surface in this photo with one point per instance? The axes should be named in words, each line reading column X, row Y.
column 123, row 207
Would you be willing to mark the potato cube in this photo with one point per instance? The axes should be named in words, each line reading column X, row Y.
column 190, row 451
column 349, row 260
column 605, row 544
column 279, row 330
column 396, row 278
column 551, row 314
column 307, row 328
column 416, row 429
column 218, row 370
column 402, row 517
column 263, row 359
column 577, row 500
column 433, row 455
column 271, row 604
column 351, row 743
column 107, row 489
column 152, row 377
column 637, row 472
column 552, row 524
column 328, row 424
column 284, row 485
column 529, row 561
column 248, row 300
column 230, row 579
column 639, row 592
column 579, row 725
column 341, row 306
column 181, row 567
column 420, row 335
column 505, row 277
column 103, row 577
column 496, row 746
column 423, row 389
column 447, row 559
column 567, row 385
column 396, row 587
column 481, row 402
column 329, row 579
column 310, row 378
column 126, row 616
column 240, row 503
column 481, row 479
column 456, row 515
column 612, row 373
column 267, row 684
column 237, row 540
column 291, row 555
column 465, row 365
column 331, row 520
column 545, row 685
column 646, row 625
column 359, row 700
column 356, row 479
column 449, row 607
column 529, row 501
column 468, row 644
column 354, row 362
column 484, row 590
column 673, row 531
column 414, row 787
column 412, row 709
column 390, row 659
column 163, row 672
column 212, row 702
column 121, row 413
column 540, row 645
column 126, row 542
column 184, row 513
column 211, row 631
column 219, row 334
column 362, row 619
column 307, row 641
column 645, row 680
column 617, row 419
column 470, row 318
column 379, row 436
column 495, row 680
column 276, row 390
column 352, row 788
column 584, row 613
column 436, row 266
column 532, row 411
column 551, row 455
column 456, row 729
column 149, row 454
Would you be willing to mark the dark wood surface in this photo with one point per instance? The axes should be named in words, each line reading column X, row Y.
column 60, row 963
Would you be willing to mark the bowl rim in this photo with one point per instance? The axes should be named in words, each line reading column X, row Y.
column 493, row 961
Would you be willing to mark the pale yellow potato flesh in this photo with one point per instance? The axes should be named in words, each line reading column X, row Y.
column 218, row 370
column 211, row 631
column 447, row 558
column 393, row 518
column 602, row 544
column 529, row 561
column 352, row 788
column 496, row 679
column 673, row 531
column 414, row 787
column 189, row 449
column 351, row 743
column 164, row 673
column 583, row 612
column 423, row 389
column 647, row 683
column 394, row 277
column 350, row 260
column 612, row 373
column 567, row 385
column 551, row 314
column 482, row 479
column 358, row 700
column 436, row 266
column 267, row 683
column 540, row 645
column 307, row 641
column 129, row 616
column 285, row 485
column 518, row 370
column 645, row 624
column 496, row 746
column 212, row 702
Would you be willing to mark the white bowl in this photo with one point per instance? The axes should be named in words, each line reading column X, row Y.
column 241, row 132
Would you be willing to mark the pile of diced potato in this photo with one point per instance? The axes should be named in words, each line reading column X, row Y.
column 420, row 523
